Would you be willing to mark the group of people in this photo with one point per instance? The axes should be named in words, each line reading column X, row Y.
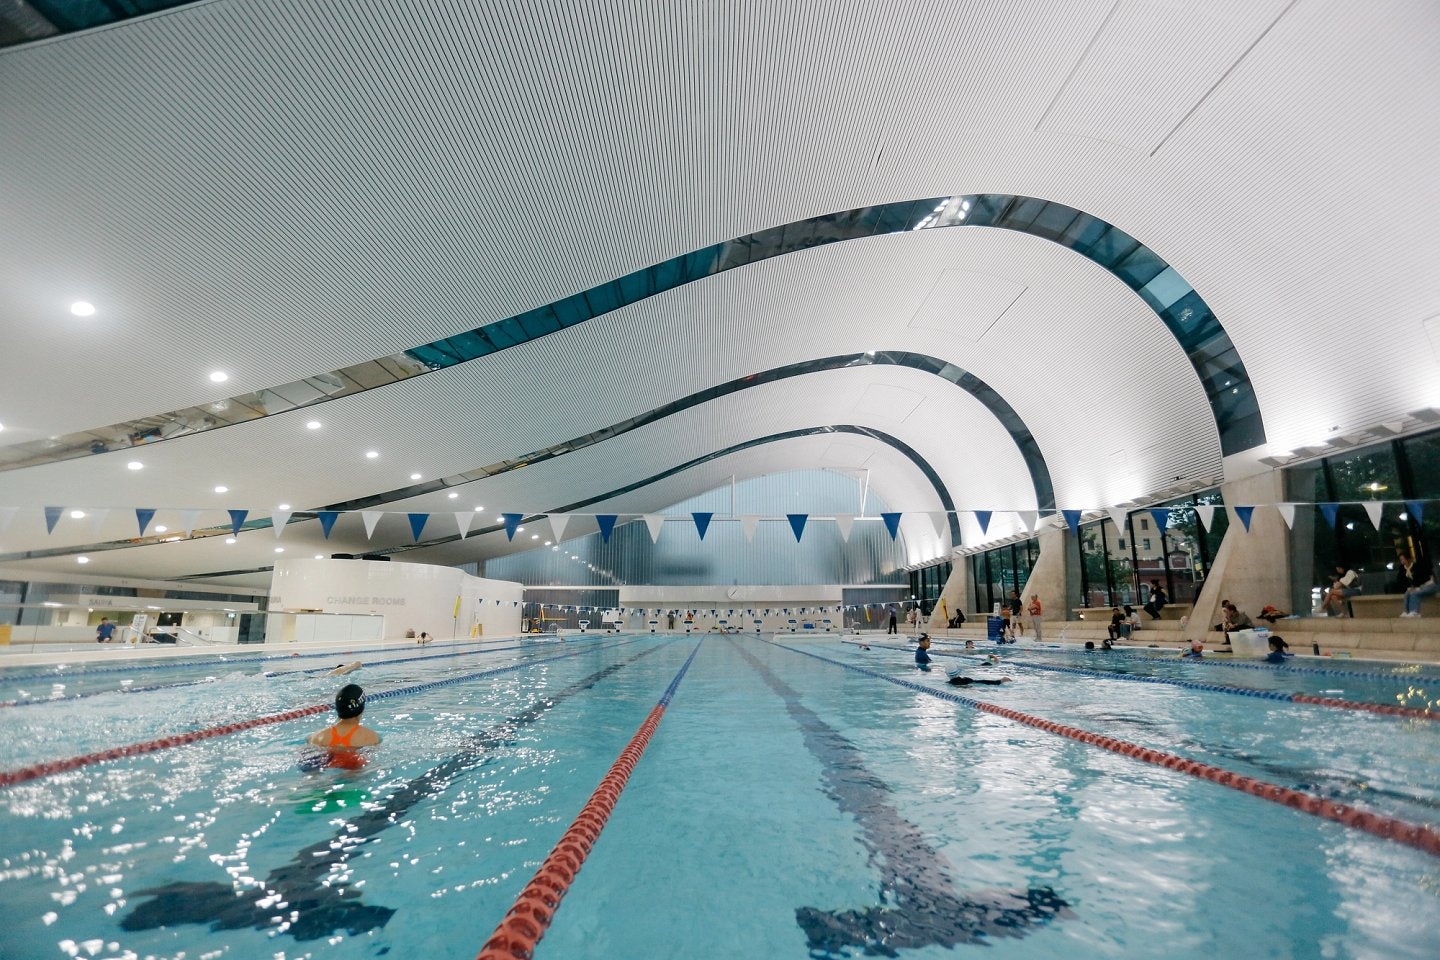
column 1415, row 580
column 957, row 678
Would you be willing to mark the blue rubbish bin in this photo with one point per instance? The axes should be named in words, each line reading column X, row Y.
column 995, row 629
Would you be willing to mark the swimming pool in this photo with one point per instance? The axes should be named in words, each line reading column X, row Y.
column 795, row 801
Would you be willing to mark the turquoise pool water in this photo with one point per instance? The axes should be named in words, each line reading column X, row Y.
column 786, row 807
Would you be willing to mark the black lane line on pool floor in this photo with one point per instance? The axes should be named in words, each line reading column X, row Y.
column 919, row 905
column 1423, row 837
column 309, row 671
column 321, row 908
column 51, row 767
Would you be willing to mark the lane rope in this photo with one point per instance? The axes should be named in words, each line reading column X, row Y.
column 1420, row 836
column 1393, row 710
column 527, row 920
column 52, row 767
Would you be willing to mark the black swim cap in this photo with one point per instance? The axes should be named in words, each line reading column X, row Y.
column 350, row 701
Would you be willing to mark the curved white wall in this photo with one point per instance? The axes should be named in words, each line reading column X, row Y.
column 411, row 596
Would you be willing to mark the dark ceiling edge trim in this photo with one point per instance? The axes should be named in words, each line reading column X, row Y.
column 1197, row 330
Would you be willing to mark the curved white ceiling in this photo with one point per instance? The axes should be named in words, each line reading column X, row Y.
column 271, row 190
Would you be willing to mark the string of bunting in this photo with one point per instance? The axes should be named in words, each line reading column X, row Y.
column 1030, row 520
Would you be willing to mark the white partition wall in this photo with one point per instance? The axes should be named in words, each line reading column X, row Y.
column 441, row 601
column 770, row 609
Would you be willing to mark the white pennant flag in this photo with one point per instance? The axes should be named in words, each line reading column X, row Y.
column 1118, row 516
column 1206, row 513
column 97, row 517
column 6, row 515
column 278, row 519
column 941, row 520
column 187, row 520
column 843, row 523
column 748, row 523
column 1287, row 513
column 1028, row 519
column 462, row 520
column 1375, row 508
column 371, row 517
column 654, row 521
column 558, row 523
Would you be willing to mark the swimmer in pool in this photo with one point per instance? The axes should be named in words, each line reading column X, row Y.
column 922, row 652
column 343, row 668
column 1197, row 650
column 342, row 741
column 960, row 680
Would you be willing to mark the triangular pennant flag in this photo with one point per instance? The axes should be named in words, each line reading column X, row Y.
column 512, row 522
column 654, row 521
column 797, row 523
column 606, row 523
column 1416, row 508
column 702, row 523
column 187, row 521
column 8, row 513
column 143, row 516
column 843, row 523
column 749, row 522
column 982, row 517
column 1330, row 511
column 97, row 517
column 1028, row 519
column 941, row 520
column 1206, row 513
column 327, row 521
column 237, row 517
column 558, row 522
column 52, row 517
column 1072, row 520
column 462, row 520
column 1287, row 513
column 417, row 523
column 1120, row 517
column 1375, row 508
column 278, row 519
column 892, row 523
column 1244, row 513
column 1162, row 517
column 371, row 518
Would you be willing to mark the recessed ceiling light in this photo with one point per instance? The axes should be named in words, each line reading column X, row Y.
column 319, row 556
column 534, row 536
column 313, row 425
column 229, row 539
column 82, row 559
column 2, row 426
column 222, row 489
column 219, row 376
column 371, row 454
column 454, row 495
column 135, row 465
column 77, row 514
column 479, row 509
column 414, row 476
column 161, row 528
column 548, row 542
column 284, row 506
column 279, row 549
column 519, row 529
column 81, row 308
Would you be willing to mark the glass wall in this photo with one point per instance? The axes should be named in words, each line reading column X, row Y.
column 994, row 573
column 927, row 583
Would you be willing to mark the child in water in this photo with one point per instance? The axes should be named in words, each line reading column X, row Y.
column 922, row 652
column 342, row 741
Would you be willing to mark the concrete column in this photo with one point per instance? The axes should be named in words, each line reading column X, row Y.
column 955, row 593
column 1251, row 568
column 1050, row 577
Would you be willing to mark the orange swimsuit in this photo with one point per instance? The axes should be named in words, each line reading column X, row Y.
column 347, row 756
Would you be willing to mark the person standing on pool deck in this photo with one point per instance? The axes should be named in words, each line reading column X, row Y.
column 104, row 631
column 893, row 628
column 1037, row 616
column 344, row 739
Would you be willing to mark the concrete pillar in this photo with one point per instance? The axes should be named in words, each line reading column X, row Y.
column 1051, row 575
column 955, row 593
column 1251, row 568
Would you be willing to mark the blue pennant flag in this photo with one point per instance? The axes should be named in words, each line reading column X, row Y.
column 607, row 526
column 327, row 520
column 512, row 520
column 1244, row 513
column 797, row 523
column 417, row 523
column 237, row 517
column 143, row 516
column 52, row 517
column 892, row 523
column 702, row 522
column 982, row 517
column 1162, row 517
column 1330, row 510
column 1417, row 510
column 1072, row 520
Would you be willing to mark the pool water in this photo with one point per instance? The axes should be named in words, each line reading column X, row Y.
column 786, row 807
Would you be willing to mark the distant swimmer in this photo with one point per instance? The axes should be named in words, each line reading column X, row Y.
column 922, row 652
column 960, row 680
column 343, row 668
column 342, row 741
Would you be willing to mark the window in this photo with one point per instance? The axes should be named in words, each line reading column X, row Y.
column 1121, row 543
column 1145, row 525
column 1144, row 544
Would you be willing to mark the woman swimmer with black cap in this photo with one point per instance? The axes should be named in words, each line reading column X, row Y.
column 342, row 741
